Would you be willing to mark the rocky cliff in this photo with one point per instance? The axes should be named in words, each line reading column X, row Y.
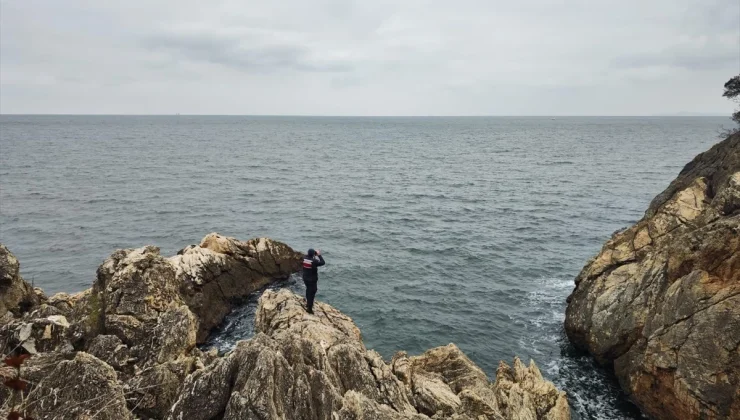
column 16, row 296
column 661, row 301
column 301, row 366
column 127, row 348
column 130, row 341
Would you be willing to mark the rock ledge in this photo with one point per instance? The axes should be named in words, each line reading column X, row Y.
column 302, row 366
column 127, row 348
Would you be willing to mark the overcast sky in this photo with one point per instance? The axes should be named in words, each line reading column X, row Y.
column 370, row 57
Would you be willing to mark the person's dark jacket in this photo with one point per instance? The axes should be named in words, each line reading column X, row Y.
column 310, row 267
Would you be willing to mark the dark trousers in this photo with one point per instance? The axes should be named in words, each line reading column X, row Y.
column 311, row 288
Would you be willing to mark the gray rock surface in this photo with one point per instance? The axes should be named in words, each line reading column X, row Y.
column 136, row 299
column 661, row 301
column 222, row 270
column 127, row 349
column 16, row 295
column 82, row 388
column 37, row 334
column 143, row 316
column 68, row 386
column 302, row 366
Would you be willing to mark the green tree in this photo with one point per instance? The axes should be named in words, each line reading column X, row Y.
column 732, row 92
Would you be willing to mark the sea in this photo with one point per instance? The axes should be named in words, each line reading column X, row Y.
column 465, row 230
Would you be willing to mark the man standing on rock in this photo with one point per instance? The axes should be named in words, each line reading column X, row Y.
column 311, row 262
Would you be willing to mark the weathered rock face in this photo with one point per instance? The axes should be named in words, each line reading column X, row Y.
column 301, row 366
column 221, row 270
column 136, row 299
column 37, row 334
column 443, row 380
column 82, row 388
column 16, row 296
column 140, row 325
column 143, row 315
column 127, row 349
column 67, row 386
column 661, row 301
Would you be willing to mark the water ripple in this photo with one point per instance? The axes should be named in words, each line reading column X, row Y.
column 435, row 230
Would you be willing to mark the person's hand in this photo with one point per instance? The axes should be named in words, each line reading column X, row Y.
column 318, row 252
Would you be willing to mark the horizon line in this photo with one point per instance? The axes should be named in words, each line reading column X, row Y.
column 680, row 114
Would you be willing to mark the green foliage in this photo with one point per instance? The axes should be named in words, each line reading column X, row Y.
column 732, row 88
column 732, row 92
column 93, row 318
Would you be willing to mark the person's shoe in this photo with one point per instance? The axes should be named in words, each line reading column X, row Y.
column 310, row 311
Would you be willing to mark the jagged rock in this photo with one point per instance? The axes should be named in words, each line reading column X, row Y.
column 126, row 348
column 444, row 382
column 16, row 296
column 144, row 313
column 153, row 391
column 37, row 335
column 140, row 324
column 82, row 388
column 110, row 349
column 32, row 371
column 527, row 394
column 42, row 328
column 242, row 385
column 222, row 270
column 358, row 407
column 302, row 366
column 437, row 377
column 661, row 301
column 74, row 307
column 136, row 298
column 282, row 315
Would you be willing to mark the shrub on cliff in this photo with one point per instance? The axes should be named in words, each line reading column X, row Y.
column 732, row 92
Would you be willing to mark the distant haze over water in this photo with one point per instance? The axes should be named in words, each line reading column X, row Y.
column 435, row 230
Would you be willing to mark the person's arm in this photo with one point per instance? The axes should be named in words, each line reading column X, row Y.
column 320, row 262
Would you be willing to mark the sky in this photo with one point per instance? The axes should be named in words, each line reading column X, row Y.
column 378, row 57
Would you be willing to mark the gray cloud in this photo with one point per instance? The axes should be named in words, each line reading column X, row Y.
column 386, row 57
column 242, row 53
column 705, row 54
column 687, row 62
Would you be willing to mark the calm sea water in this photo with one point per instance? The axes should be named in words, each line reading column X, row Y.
column 435, row 230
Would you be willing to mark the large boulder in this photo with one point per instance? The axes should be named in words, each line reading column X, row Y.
column 136, row 298
column 16, row 295
column 144, row 314
column 82, row 388
column 220, row 271
column 661, row 301
column 445, row 382
column 67, row 386
column 139, row 324
column 127, row 349
column 302, row 366
column 35, row 335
